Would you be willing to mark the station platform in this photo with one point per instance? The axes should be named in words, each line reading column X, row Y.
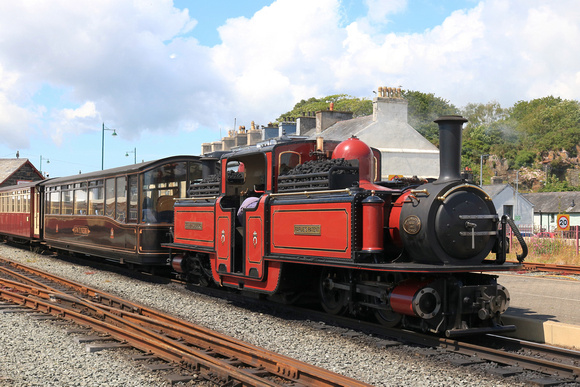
column 545, row 308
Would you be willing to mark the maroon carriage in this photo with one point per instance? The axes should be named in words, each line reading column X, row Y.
column 121, row 214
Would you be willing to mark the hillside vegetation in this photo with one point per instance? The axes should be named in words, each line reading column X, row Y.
column 538, row 139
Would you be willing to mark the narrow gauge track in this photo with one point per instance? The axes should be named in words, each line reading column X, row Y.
column 216, row 357
column 568, row 269
column 560, row 363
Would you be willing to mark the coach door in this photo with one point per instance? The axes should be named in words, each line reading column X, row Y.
column 35, row 208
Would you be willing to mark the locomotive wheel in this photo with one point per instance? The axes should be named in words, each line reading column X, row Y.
column 388, row 318
column 333, row 300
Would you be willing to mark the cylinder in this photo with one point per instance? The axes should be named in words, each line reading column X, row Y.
column 450, row 128
column 176, row 263
column 415, row 298
column 373, row 224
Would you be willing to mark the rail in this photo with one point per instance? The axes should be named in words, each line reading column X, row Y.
column 192, row 347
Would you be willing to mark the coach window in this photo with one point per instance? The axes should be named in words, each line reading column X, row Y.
column 160, row 186
column 54, row 201
column 67, row 201
column 17, row 201
column 96, row 198
column 133, row 199
column 110, row 198
column 27, row 201
column 80, row 204
column 121, row 198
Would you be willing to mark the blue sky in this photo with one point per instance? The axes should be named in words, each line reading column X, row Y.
column 170, row 75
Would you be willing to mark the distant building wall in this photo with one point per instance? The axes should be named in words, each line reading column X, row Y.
column 25, row 173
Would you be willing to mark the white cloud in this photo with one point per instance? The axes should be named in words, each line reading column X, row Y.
column 140, row 67
column 380, row 9
column 73, row 121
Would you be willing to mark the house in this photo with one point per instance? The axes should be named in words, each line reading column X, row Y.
column 548, row 205
column 17, row 171
column 404, row 150
column 511, row 203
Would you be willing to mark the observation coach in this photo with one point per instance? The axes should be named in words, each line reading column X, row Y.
column 308, row 220
column 122, row 214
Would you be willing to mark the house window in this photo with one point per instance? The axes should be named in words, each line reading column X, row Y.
column 509, row 211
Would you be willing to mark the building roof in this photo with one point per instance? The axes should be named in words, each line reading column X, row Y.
column 9, row 166
column 386, row 129
column 555, row 202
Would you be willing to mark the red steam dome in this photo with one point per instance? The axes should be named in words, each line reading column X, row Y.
column 355, row 149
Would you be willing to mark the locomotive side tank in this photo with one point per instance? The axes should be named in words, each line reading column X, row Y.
column 321, row 223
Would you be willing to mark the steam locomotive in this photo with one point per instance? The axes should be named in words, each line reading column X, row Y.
column 308, row 219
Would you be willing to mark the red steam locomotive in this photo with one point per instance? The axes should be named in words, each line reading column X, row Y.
column 309, row 219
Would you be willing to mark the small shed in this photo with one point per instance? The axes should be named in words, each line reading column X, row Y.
column 17, row 171
column 511, row 203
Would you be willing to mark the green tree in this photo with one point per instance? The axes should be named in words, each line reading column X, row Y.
column 553, row 184
column 342, row 102
column 547, row 124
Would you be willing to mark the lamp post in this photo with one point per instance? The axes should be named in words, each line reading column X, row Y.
column 134, row 151
column 481, row 169
column 47, row 161
column 103, row 145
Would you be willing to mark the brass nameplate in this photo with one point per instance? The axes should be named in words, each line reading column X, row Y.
column 306, row 229
column 198, row 226
column 80, row 230
column 412, row 225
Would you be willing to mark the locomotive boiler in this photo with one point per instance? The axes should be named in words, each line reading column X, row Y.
column 322, row 226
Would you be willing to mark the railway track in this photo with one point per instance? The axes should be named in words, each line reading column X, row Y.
column 213, row 356
column 568, row 269
column 512, row 356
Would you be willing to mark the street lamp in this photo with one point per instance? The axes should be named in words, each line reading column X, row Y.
column 134, row 151
column 481, row 169
column 103, row 145
column 47, row 161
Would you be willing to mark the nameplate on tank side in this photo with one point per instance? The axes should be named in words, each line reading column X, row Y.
column 193, row 226
column 307, row 229
column 81, row 230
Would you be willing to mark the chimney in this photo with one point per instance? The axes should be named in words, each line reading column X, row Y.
column 450, row 128
column 389, row 105
column 327, row 118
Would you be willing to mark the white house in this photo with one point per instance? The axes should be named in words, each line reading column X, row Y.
column 404, row 150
